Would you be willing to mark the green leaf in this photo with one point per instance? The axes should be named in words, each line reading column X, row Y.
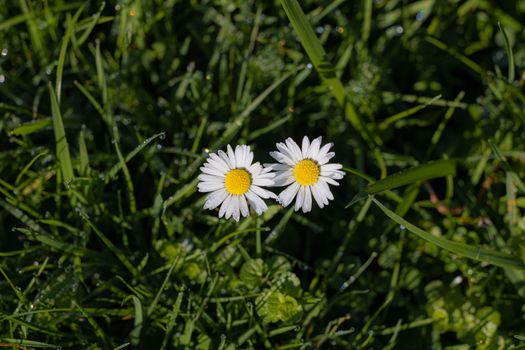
column 62, row 148
column 278, row 307
column 477, row 253
column 252, row 272
column 31, row 127
column 431, row 170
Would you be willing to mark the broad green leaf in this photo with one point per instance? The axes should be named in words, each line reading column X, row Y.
column 431, row 170
column 278, row 307
column 477, row 253
column 252, row 272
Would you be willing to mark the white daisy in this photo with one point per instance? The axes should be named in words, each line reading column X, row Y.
column 235, row 182
column 306, row 172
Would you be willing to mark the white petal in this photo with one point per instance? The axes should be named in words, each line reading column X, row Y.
column 283, row 178
column 300, row 198
column 212, row 171
column 261, row 192
column 225, row 205
column 225, row 158
column 307, row 205
column 326, row 158
column 324, row 150
column 285, row 151
column 286, row 196
column 326, row 190
column 313, row 150
column 210, row 178
column 294, row 149
column 219, row 160
column 281, row 158
column 305, row 146
column 277, row 166
column 263, row 182
column 209, row 186
column 331, row 167
column 329, row 180
column 239, row 156
column 236, row 215
column 244, row 206
column 214, row 199
column 336, row 174
column 231, row 155
column 256, row 203
column 318, row 196
column 248, row 158
column 255, row 169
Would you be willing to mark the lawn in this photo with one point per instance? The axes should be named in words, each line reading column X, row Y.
column 113, row 113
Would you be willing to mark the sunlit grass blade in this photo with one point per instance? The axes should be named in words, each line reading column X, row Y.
column 477, row 253
column 326, row 70
column 431, row 170
column 31, row 127
column 62, row 147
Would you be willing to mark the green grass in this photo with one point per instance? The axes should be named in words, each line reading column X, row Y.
column 109, row 109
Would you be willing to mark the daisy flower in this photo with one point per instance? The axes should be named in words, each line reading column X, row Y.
column 234, row 182
column 306, row 172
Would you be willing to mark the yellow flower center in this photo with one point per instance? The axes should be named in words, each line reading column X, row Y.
column 238, row 181
column 306, row 172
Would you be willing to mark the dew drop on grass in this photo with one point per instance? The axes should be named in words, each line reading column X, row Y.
column 399, row 30
column 4, row 51
column 420, row 15
column 319, row 30
column 402, row 227
column 309, row 66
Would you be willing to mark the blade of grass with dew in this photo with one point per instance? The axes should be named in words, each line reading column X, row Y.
column 62, row 147
column 486, row 255
column 127, row 177
column 118, row 166
column 326, row 70
column 431, row 170
column 407, row 113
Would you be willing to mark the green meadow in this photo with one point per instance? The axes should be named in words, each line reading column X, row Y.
column 108, row 111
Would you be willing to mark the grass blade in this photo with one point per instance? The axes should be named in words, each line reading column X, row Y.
column 510, row 55
column 62, row 147
column 30, row 127
column 439, row 168
column 477, row 253
column 63, row 50
column 326, row 70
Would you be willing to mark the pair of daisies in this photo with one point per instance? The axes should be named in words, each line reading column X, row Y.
column 236, row 183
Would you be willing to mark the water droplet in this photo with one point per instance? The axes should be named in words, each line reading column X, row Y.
column 2, row 78
column 402, row 227
column 420, row 15
column 117, row 7
column 159, row 146
column 49, row 71
column 319, row 30
column 399, row 30
column 4, row 51
column 309, row 66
